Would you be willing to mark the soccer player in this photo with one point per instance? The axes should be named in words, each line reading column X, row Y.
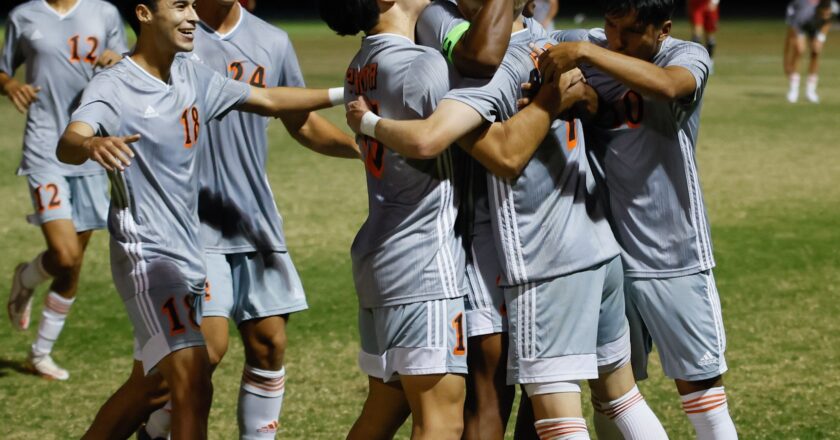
column 251, row 278
column 545, row 11
column 704, row 16
column 62, row 43
column 808, row 23
column 160, row 103
column 408, row 262
column 558, row 258
column 651, row 88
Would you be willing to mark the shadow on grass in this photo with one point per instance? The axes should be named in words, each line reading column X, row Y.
column 7, row 365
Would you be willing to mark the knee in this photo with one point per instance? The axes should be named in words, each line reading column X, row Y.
column 267, row 351
column 68, row 258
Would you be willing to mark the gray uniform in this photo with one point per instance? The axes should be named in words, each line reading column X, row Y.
column 802, row 16
column 658, row 214
column 156, row 255
column 250, row 272
column 407, row 251
column 556, row 250
column 59, row 52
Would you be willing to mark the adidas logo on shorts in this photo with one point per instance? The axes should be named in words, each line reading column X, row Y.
column 707, row 359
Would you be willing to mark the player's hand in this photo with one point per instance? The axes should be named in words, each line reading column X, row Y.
column 112, row 152
column 108, row 58
column 22, row 95
column 563, row 93
column 558, row 59
column 355, row 110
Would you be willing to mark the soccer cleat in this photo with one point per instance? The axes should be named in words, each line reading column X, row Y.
column 793, row 95
column 20, row 300
column 45, row 367
column 812, row 96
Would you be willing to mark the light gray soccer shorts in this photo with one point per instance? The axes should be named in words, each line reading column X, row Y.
column 414, row 339
column 563, row 329
column 252, row 285
column 485, row 301
column 164, row 308
column 682, row 316
column 83, row 199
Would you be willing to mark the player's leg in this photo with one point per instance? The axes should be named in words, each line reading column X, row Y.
column 794, row 47
column 384, row 411
column 436, row 402
column 525, row 429
column 685, row 321
column 816, row 46
column 126, row 409
column 617, row 401
column 187, row 372
column 710, row 26
column 695, row 19
column 268, row 289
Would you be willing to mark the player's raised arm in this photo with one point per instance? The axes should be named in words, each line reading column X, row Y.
column 480, row 46
column 275, row 101
column 319, row 135
column 79, row 143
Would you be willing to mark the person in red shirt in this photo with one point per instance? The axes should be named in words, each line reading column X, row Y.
column 704, row 16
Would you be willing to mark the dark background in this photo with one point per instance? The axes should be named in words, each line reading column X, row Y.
column 308, row 9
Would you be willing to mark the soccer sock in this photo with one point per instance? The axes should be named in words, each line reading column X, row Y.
column 709, row 413
column 260, row 400
column 710, row 46
column 812, row 83
column 604, row 426
column 565, row 428
column 34, row 273
column 53, row 316
column 160, row 422
column 633, row 417
column 794, row 81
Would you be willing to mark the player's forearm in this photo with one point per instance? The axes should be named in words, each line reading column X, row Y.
column 415, row 139
column 320, row 136
column 72, row 148
column 5, row 80
column 644, row 77
column 480, row 51
column 276, row 101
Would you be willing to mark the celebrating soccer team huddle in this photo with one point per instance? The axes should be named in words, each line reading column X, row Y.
column 535, row 211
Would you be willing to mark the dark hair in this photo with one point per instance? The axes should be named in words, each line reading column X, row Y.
column 655, row 12
column 349, row 17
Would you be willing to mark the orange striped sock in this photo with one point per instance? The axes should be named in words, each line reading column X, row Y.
column 564, row 428
column 56, row 309
column 633, row 417
column 708, row 411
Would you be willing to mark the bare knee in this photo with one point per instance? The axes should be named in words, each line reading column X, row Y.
column 67, row 258
column 265, row 346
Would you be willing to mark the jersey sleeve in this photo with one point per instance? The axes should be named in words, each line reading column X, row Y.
column 439, row 20
column 489, row 97
column 429, row 78
column 221, row 94
column 287, row 61
column 115, row 39
column 570, row 36
column 12, row 56
column 99, row 107
column 694, row 58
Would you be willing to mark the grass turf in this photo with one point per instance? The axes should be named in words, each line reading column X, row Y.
column 770, row 172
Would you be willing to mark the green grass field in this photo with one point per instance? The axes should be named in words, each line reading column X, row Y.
column 771, row 173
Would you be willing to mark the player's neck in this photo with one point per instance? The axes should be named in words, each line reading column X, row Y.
column 518, row 25
column 62, row 6
column 154, row 61
column 395, row 21
column 221, row 19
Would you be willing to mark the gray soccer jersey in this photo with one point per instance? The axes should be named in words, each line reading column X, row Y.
column 655, row 199
column 59, row 52
column 802, row 14
column 548, row 222
column 236, row 205
column 407, row 250
column 153, row 218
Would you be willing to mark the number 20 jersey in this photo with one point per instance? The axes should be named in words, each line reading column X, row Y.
column 236, row 205
column 407, row 250
column 59, row 52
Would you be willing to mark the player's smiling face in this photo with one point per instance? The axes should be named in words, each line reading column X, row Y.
column 174, row 23
column 626, row 35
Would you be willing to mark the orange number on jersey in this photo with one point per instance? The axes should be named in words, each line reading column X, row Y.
column 74, row 48
column 90, row 58
column 458, row 325
column 571, row 129
column 237, row 69
column 188, row 113
column 634, row 109
column 258, row 77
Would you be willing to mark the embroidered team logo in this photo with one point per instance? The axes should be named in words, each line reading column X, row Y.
column 707, row 359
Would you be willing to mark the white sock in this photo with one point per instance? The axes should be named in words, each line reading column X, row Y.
column 53, row 316
column 565, row 428
column 160, row 422
column 34, row 273
column 812, row 83
column 794, row 81
column 709, row 413
column 260, row 400
column 633, row 417
column 604, row 426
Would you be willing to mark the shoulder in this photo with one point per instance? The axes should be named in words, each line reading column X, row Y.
column 673, row 48
column 22, row 10
column 427, row 64
column 440, row 9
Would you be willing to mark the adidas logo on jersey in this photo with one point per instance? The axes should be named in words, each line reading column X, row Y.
column 707, row 359
column 268, row 429
column 37, row 35
column 195, row 57
column 150, row 113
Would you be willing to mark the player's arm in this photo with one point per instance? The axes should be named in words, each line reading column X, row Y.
column 319, row 135
column 664, row 83
column 21, row 94
column 275, row 101
column 79, row 143
column 480, row 49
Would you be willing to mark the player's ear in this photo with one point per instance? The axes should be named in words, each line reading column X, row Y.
column 144, row 14
column 665, row 30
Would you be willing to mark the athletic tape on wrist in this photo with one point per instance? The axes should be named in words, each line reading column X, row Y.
column 336, row 96
column 452, row 39
column 369, row 121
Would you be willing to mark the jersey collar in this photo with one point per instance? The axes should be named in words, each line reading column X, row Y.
column 148, row 75
column 66, row 14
